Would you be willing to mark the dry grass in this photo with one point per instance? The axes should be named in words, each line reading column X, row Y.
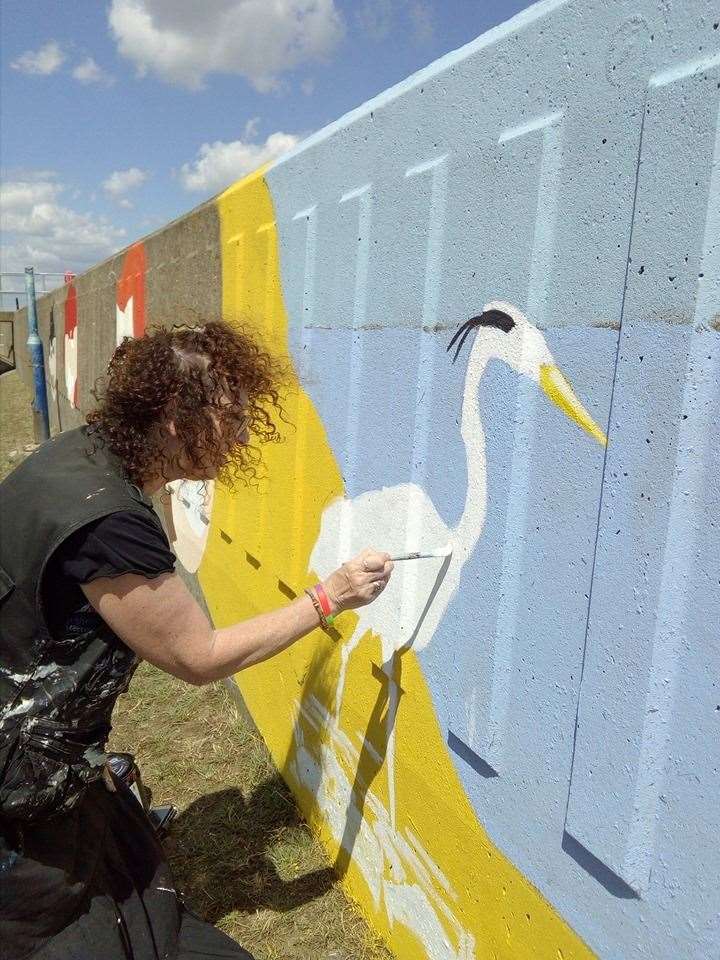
column 239, row 848
column 16, row 429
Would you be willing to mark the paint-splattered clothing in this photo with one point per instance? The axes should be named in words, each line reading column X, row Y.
column 57, row 692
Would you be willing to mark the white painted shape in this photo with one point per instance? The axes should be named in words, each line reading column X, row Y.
column 191, row 505
column 124, row 322
column 52, row 366
column 71, row 345
column 363, row 196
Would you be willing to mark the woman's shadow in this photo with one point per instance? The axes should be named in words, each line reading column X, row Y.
column 226, row 850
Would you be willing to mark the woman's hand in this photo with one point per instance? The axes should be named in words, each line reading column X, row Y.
column 359, row 581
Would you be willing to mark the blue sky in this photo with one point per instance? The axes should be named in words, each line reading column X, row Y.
column 118, row 116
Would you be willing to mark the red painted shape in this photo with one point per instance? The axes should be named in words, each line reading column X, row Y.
column 71, row 311
column 131, row 285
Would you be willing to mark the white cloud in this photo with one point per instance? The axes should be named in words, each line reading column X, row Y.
column 120, row 181
column 182, row 41
column 308, row 86
column 40, row 62
column 38, row 230
column 21, row 195
column 91, row 72
column 220, row 164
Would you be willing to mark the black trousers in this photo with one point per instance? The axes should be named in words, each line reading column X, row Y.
column 93, row 884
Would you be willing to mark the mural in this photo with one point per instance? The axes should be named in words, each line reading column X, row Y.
column 404, row 518
column 130, row 297
column 71, row 346
column 421, row 883
column 513, row 752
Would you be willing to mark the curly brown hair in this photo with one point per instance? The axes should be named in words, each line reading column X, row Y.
column 201, row 378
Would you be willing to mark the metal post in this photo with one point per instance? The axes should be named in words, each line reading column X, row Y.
column 35, row 349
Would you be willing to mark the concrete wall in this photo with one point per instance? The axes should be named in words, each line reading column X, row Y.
column 515, row 752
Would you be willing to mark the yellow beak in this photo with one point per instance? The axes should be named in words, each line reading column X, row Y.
column 562, row 395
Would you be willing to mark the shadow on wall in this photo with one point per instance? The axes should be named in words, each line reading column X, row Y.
column 372, row 755
column 221, row 852
column 320, row 690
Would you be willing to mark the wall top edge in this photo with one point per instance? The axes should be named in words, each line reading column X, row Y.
column 122, row 251
column 521, row 20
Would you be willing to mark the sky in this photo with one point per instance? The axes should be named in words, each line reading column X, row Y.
column 119, row 115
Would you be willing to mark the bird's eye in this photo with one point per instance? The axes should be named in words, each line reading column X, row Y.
column 489, row 318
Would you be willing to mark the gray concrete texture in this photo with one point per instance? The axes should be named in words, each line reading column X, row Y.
column 182, row 285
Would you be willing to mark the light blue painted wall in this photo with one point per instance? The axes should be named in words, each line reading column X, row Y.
column 569, row 162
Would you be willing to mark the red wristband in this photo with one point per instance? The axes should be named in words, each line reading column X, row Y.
column 324, row 601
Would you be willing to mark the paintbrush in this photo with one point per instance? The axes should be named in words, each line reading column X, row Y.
column 424, row 555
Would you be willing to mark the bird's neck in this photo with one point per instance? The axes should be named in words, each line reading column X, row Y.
column 471, row 522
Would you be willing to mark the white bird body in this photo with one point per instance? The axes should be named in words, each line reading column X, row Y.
column 385, row 519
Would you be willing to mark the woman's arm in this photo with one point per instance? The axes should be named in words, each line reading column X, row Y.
column 161, row 621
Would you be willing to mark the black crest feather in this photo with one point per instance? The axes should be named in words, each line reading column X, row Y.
column 489, row 318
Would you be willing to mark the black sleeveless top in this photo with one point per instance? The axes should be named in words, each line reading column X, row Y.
column 61, row 667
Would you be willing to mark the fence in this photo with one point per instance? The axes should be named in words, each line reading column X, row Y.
column 12, row 287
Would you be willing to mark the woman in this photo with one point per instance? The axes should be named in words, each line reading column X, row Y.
column 87, row 589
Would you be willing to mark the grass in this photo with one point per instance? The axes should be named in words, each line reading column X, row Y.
column 240, row 850
column 16, row 426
